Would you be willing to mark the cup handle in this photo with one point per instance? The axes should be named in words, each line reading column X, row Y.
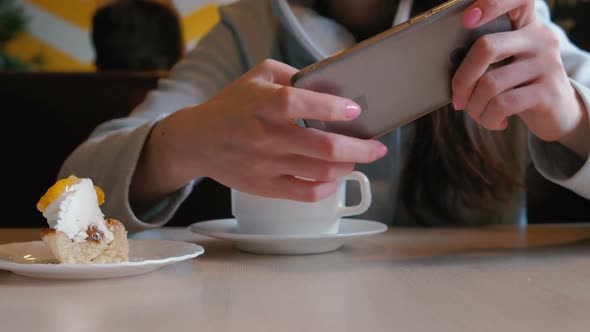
column 366, row 197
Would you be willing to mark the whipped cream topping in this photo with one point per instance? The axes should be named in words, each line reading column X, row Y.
column 75, row 210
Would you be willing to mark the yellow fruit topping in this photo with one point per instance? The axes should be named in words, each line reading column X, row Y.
column 99, row 194
column 59, row 187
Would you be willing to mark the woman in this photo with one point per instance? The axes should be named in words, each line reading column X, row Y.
column 226, row 113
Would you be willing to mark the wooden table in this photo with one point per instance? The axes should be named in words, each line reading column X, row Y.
column 490, row 279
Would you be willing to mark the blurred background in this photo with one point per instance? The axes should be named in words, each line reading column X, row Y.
column 574, row 17
column 54, row 34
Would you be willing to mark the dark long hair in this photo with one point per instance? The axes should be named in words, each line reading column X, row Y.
column 453, row 164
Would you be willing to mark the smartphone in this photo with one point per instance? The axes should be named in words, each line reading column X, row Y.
column 398, row 75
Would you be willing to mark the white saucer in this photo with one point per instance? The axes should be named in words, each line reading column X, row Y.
column 33, row 259
column 226, row 229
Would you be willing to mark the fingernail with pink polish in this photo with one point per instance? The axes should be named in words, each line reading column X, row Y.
column 472, row 16
column 457, row 103
column 382, row 151
column 352, row 111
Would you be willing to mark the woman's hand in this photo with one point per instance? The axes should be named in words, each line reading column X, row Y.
column 533, row 86
column 246, row 138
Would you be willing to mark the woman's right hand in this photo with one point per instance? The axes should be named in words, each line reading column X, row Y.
column 246, row 138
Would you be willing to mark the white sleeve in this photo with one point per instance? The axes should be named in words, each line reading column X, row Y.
column 552, row 160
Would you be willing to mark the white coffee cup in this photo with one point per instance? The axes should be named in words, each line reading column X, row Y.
column 275, row 216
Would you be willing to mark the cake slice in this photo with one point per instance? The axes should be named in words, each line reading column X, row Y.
column 94, row 249
column 118, row 249
column 78, row 232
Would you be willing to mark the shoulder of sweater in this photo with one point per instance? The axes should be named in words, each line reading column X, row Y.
column 258, row 11
column 255, row 27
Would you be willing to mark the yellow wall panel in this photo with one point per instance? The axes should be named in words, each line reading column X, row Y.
column 195, row 25
column 76, row 15
column 77, row 12
column 28, row 47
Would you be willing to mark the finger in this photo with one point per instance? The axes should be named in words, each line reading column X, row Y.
column 486, row 50
column 311, row 168
column 326, row 146
column 511, row 102
column 521, row 16
column 275, row 72
column 499, row 80
column 290, row 187
column 483, row 11
column 294, row 103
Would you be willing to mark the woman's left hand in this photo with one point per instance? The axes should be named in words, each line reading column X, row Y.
column 534, row 86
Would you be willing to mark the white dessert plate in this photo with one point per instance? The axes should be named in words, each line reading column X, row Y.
column 33, row 259
column 350, row 229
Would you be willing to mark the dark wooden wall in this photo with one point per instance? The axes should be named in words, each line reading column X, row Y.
column 46, row 115
column 574, row 18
